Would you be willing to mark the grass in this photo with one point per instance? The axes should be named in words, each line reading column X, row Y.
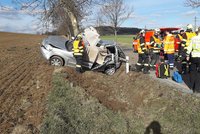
column 72, row 111
column 123, row 39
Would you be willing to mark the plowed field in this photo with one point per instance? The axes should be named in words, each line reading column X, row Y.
column 25, row 80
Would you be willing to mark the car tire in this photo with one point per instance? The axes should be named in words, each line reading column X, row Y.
column 110, row 70
column 56, row 61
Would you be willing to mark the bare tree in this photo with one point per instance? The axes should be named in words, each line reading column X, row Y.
column 192, row 3
column 59, row 13
column 114, row 13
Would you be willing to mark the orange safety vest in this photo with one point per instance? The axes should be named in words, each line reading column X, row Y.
column 135, row 44
column 169, row 44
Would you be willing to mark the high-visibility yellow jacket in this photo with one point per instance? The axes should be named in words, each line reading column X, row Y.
column 169, row 44
column 180, row 37
column 141, row 46
column 78, row 47
column 194, row 47
column 186, row 40
column 155, row 44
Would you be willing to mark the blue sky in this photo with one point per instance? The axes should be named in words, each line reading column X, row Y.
column 152, row 14
column 165, row 13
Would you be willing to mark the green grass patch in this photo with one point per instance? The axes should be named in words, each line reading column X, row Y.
column 72, row 111
column 123, row 39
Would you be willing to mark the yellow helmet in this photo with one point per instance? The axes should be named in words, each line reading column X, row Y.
column 79, row 36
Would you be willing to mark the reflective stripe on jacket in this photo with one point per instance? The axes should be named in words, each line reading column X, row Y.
column 156, row 44
column 78, row 47
column 169, row 44
column 141, row 45
column 194, row 47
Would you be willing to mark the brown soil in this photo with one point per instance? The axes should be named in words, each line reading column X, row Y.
column 25, row 80
column 118, row 92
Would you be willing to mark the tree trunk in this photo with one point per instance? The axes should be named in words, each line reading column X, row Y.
column 116, row 35
column 73, row 21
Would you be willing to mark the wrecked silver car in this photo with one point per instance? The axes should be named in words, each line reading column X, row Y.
column 99, row 55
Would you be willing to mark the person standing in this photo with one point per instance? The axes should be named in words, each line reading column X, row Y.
column 184, row 44
column 143, row 57
column 193, row 55
column 179, row 38
column 169, row 49
column 156, row 43
column 78, row 48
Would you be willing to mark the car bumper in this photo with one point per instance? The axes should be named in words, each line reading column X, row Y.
column 46, row 53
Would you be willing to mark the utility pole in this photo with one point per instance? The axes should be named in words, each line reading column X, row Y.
column 195, row 23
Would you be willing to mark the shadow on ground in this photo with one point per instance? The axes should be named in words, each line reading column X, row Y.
column 154, row 127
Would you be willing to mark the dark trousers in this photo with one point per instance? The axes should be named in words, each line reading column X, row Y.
column 143, row 61
column 79, row 59
column 195, row 74
column 154, row 59
column 170, row 58
column 184, row 65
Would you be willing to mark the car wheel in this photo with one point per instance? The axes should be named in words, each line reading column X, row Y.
column 110, row 70
column 56, row 61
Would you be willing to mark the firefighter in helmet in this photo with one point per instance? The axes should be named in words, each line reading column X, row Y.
column 78, row 49
column 184, row 44
column 143, row 57
column 156, row 43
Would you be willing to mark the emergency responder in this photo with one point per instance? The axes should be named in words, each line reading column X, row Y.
column 184, row 44
column 155, row 42
column 169, row 49
column 179, row 37
column 193, row 55
column 135, row 43
column 78, row 49
column 143, row 57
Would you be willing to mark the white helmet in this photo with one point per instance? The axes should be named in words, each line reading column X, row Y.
column 189, row 26
column 142, row 31
column 157, row 30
